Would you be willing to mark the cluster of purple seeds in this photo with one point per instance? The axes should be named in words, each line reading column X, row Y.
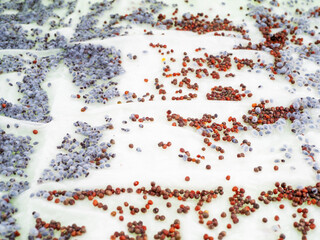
column 311, row 152
column 70, row 6
column 86, row 29
column 31, row 11
column 14, row 154
column 81, row 156
column 9, row 63
column 304, row 121
column 33, row 105
column 10, row 189
column 14, row 36
column 88, row 64
column 14, row 159
column 46, row 42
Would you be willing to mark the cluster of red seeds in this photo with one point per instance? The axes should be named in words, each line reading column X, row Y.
column 164, row 46
column 222, row 62
column 211, row 224
column 276, row 42
column 244, row 62
column 65, row 232
column 206, row 123
column 196, row 159
column 172, row 233
column 227, row 93
column 268, row 115
column 200, row 24
column 164, row 145
column 136, row 117
column 304, row 227
column 241, row 204
column 297, row 196
column 137, row 228
column 94, row 195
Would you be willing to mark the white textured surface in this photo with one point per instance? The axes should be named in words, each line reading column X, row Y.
column 164, row 166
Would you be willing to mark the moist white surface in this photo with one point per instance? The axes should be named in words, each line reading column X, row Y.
column 163, row 165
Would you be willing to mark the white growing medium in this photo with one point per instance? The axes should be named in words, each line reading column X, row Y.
column 156, row 164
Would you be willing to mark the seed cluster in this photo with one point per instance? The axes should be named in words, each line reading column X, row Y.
column 241, row 204
column 172, row 233
column 10, row 190
column 227, row 93
column 309, row 194
column 186, row 156
column 90, row 63
column 299, row 196
column 34, row 102
column 14, row 154
column 199, row 24
column 136, row 117
column 221, row 63
column 81, row 156
column 47, row 230
column 209, row 129
column 204, row 196
column 259, row 114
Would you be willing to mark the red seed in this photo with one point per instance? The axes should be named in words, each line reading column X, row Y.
column 3, row 105
column 35, row 131
column 235, row 189
column 136, row 183
column 187, row 178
